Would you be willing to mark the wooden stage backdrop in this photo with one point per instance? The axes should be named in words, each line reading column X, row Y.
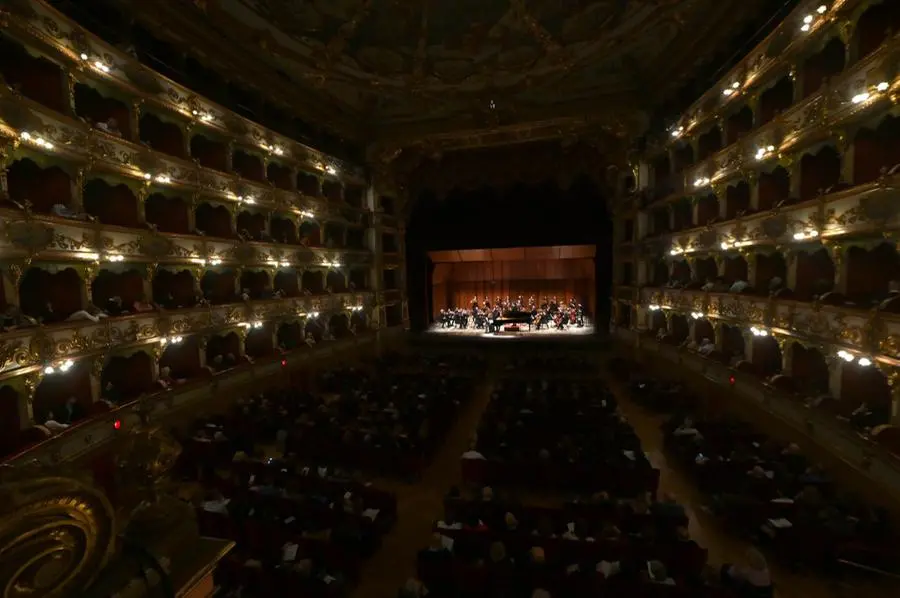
column 565, row 272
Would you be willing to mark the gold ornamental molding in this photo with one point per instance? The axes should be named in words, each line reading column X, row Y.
column 56, row 534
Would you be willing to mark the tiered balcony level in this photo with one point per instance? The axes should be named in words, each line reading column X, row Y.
column 785, row 176
column 217, row 247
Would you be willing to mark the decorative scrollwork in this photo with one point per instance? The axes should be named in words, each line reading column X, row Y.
column 56, row 535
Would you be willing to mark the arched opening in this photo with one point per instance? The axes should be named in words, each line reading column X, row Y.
column 37, row 79
column 819, row 172
column 333, row 235
column 876, row 151
column 218, row 286
column 775, row 100
column 11, row 433
column 809, row 370
column 737, row 200
column 104, row 113
column 335, row 282
column 41, row 187
column 389, row 243
column 339, row 326
column 223, row 351
column 656, row 321
column 169, row 214
column 874, row 26
column 210, row 153
column 681, row 271
column 679, row 329
column 869, row 273
column 707, row 209
column 174, row 290
column 684, row 157
column 248, row 166
column 314, row 328
column 359, row 280
column 290, row 336
column 64, row 397
column 682, row 213
column 766, row 356
column 390, row 279
column 256, row 284
column 661, row 222
column 287, row 283
column 354, row 195
column 162, row 136
column 662, row 174
column 359, row 321
column 116, row 290
column 660, row 273
column 705, row 271
column 283, row 230
column 703, row 329
column 356, row 238
column 774, row 188
column 111, row 204
column 824, row 65
column 310, row 234
column 736, row 270
column 394, row 315
column 50, row 297
column 866, row 388
column 280, row 176
column 738, row 124
column 733, row 343
column 815, row 274
column 771, row 273
column 181, row 359
column 332, row 190
column 259, row 342
column 709, row 143
column 251, row 225
column 308, row 184
column 312, row 282
column 214, row 221
column 125, row 378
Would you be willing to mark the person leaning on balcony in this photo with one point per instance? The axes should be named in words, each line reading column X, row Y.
column 92, row 313
column 739, row 286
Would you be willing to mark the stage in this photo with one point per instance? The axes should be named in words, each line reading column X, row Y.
column 545, row 333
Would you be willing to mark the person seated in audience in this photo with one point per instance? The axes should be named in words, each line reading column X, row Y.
column 73, row 411
column 472, row 453
column 437, row 551
column 13, row 318
column 110, row 125
column 63, row 211
column 739, row 286
column 706, row 347
column 413, row 588
column 111, row 393
column 310, row 340
column 657, row 573
column 114, row 307
column 54, row 425
column 686, row 428
column 709, row 285
column 165, row 379
column 751, row 580
column 92, row 313
column 216, row 503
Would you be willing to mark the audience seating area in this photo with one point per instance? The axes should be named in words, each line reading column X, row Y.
column 558, row 435
column 766, row 490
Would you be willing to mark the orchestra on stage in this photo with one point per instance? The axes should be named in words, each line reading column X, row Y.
column 512, row 315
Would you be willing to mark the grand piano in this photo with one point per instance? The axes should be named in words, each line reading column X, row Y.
column 513, row 317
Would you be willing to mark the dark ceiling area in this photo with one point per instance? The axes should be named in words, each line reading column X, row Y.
column 346, row 74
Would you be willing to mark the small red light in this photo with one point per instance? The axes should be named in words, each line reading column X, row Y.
column 731, row 379
column 117, row 424
column 283, row 362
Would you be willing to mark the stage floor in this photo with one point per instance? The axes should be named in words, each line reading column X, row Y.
column 586, row 330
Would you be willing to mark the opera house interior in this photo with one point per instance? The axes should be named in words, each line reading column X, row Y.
column 458, row 299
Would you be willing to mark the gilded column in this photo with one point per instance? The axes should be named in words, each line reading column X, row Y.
column 786, row 346
column 238, row 287
column 202, row 341
column 721, row 193
column 12, row 280
column 134, row 119
column 26, row 406
column 187, row 130
column 229, row 156
column 69, row 81
column 796, row 177
column 141, row 196
column 841, row 269
column 192, row 205
column 147, row 281
column 752, row 178
column 750, row 257
column 847, row 150
column 835, row 371
column 7, row 147
column 791, row 259
column 77, row 188
column 98, row 363
column 749, row 340
column 87, row 273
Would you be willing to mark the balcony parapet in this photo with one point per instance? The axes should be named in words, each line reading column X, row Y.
column 42, row 238
column 776, row 53
column 867, row 457
column 871, row 333
column 91, row 434
column 34, row 23
column 84, row 145
column 873, row 207
column 802, row 125
column 29, row 350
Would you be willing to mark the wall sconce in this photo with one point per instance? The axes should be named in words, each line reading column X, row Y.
column 36, row 140
column 313, row 314
column 331, row 170
column 654, row 307
column 676, row 133
column 697, row 315
column 306, row 214
column 115, row 257
column 172, row 340
column 731, row 90
column 702, row 182
column 802, row 236
column 59, row 369
column 758, row 331
column 764, row 152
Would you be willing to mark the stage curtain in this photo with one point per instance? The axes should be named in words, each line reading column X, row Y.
column 455, row 284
